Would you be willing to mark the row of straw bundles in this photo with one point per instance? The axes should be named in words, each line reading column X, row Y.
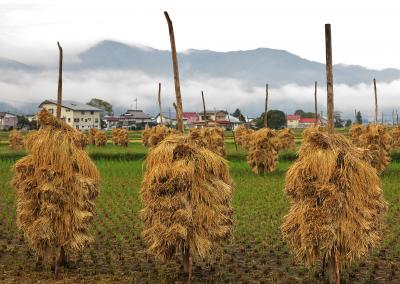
column 16, row 140
column 211, row 138
column 154, row 135
column 355, row 132
column 286, row 139
column 55, row 189
column 187, row 193
column 120, row 137
column 376, row 139
column 395, row 137
column 242, row 136
column 263, row 151
column 337, row 204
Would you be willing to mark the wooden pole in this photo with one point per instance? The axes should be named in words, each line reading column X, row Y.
column 333, row 262
column 266, row 107
column 376, row 102
column 355, row 116
column 59, row 90
column 329, row 76
column 179, row 113
column 397, row 118
column 315, row 103
column 159, row 103
column 204, row 109
column 382, row 117
column 392, row 117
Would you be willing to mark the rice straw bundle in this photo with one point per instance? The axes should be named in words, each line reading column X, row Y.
column 396, row 137
column 16, row 140
column 100, row 138
column 337, row 205
column 377, row 141
column 56, row 184
column 120, row 137
column 263, row 151
column 92, row 134
column 154, row 135
column 286, row 139
column 187, row 193
column 81, row 139
column 242, row 135
column 211, row 138
column 355, row 132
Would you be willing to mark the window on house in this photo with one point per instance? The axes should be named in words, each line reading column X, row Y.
column 89, row 119
column 96, row 120
column 82, row 112
column 76, row 119
column 92, row 112
column 85, row 120
column 51, row 110
column 77, row 126
column 81, row 118
column 67, row 110
column 69, row 119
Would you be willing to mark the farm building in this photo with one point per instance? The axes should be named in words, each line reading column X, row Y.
column 169, row 118
column 219, row 118
column 295, row 121
column 8, row 121
column 77, row 115
column 131, row 119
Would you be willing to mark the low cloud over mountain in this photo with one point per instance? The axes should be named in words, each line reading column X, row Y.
column 119, row 73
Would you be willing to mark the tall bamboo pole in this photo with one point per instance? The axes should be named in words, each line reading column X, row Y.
column 315, row 103
column 266, row 107
column 355, row 116
column 382, row 117
column 159, row 103
column 333, row 260
column 376, row 102
column 59, row 90
column 392, row 117
column 179, row 111
column 204, row 109
column 397, row 118
column 329, row 76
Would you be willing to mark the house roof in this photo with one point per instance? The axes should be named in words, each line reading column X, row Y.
column 190, row 115
column 72, row 105
column 171, row 114
column 212, row 111
column 6, row 114
column 308, row 120
column 293, row 117
column 137, row 113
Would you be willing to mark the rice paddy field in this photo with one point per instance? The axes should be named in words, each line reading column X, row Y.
column 255, row 254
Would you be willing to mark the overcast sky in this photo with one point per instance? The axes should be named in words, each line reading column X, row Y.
column 364, row 32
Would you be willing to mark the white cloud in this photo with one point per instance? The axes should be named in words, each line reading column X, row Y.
column 121, row 88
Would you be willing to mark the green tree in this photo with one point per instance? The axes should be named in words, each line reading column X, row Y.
column 348, row 123
column 304, row 114
column 238, row 114
column 104, row 105
column 358, row 118
column 276, row 119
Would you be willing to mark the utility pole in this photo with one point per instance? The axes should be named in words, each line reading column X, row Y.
column 266, row 107
column 59, row 90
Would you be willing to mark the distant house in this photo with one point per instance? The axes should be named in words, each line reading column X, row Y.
column 131, row 119
column 8, row 121
column 295, row 121
column 169, row 118
column 78, row 115
column 192, row 118
column 218, row 118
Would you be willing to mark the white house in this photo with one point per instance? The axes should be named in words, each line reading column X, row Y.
column 8, row 121
column 78, row 115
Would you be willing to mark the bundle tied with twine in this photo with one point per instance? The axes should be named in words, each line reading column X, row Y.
column 56, row 185
column 337, row 205
column 355, row 132
column 16, row 140
column 286, row 139
column 395, row 137
column 187, row 193
column 376, row 139
column 211, row 138
column 100, row 138
column 242, row 135
column 263, row 151
column 120, row 137
column 154, row 135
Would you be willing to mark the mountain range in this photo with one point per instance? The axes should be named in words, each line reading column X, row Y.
column 257, row 66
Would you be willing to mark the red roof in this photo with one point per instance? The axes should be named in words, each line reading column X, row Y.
column 293, row 117
column 191, row 116
column 307, row 120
